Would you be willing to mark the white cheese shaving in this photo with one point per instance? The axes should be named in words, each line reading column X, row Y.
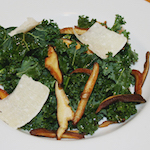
column 101, row 40
column 25, row 27
column 24, row 103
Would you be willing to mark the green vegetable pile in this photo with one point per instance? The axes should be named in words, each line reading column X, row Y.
column 25, row 53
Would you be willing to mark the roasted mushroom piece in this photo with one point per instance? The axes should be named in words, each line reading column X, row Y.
column 107, row 123
column 64, row 111
column 3, row 94
column 52, row 64
column 70, row 30
column 123, row 98
column 53, row 134
column 86, row 94
column 140, row 77
column 82, row 70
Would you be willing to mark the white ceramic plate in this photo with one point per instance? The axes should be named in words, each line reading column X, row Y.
column 133, row 135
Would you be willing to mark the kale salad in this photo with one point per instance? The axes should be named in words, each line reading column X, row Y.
column 25, row 53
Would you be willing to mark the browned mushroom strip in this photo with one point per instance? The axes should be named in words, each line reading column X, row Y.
column 146, row 66
column 3, row 94
column 52, row 134
column 123, row 98
column 82, row 70
column 78, row 46
column 43, row 132
column 140, row 77
column 138, row 81
column 68, row 42
column 80, row 30
column 86, row 93
column 89, row 51
column 52, row 64
column 107, row 123
column 69, row 30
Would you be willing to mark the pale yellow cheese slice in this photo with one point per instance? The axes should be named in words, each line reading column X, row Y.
column 24, row 103
column 101, row 40
column 25, row 27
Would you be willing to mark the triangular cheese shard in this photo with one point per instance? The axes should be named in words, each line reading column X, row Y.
column 25, row 27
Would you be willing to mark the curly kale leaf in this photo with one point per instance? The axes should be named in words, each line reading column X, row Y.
column 88, row 124
column 84, row 22
column 120, row 111
column 45, row 34
column 30, row 67
column 119, row 21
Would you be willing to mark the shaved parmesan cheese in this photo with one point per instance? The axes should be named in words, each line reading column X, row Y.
column 25, row 27
column 24, row 103
column 101, row 40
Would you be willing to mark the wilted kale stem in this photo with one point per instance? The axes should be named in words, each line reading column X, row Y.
column 40, row 29
column 93, row 60
column 36, row 37
column 5, row 40
column 25, row 42
column 22, row 72
column 120, row 75
column 66, row 84
column 111, row 87
column 68, row 78
column 74, row 56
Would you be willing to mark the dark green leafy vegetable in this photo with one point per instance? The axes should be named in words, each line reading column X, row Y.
column 88, row 124
column 84, row 22
column 119, row 21
column 26, row 53
column 120, row 111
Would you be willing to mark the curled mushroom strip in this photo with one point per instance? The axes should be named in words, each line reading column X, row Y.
column 123, row 98
column 86, row 94
column 140, row 77
column 52, row 64
column 82, row 70
column 3, row 94
column 52, row 134
column 107, row 123
column 146, row 66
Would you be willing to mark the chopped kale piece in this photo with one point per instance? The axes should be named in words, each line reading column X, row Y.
column 84, row 22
